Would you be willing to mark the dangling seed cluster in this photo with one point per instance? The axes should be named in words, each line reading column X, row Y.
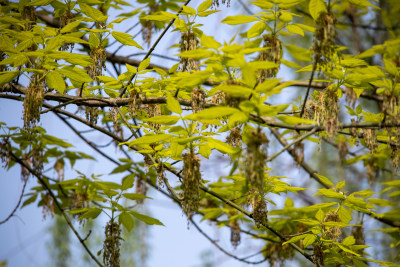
column 5, row 149
column 326, row 110
column 235, row 137
column 66, row 19
column 391, row 109
column 273, row 54
column 319, row 257
column 33, row 103
column 260, row 212
column 134, row 102
column 154, row 110
column 276, row 253
column 351, row 96
column 235, row 233
column 372, row 170
column 48, row 205
column 28, row 14
column 140, row 188
column 324, row 41
column 191, row 183
column 333, row 233
column 189, row 42
column 255, row 160
column 343, row 150
column 92, row 114
column 370, row 139
column 215, row 3
column 358, row 233
column 111, row 245
column 198, row 99
column 98, row 56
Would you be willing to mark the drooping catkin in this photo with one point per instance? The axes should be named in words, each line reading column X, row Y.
column 191, row 183
column 111, row 245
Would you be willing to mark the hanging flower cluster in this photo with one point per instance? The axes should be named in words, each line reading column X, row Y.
column 33, row 102
column 111, row 245
column 191, row 183
column 255, row 160
column 189, row 42
column 273, row 53
column 324, row 41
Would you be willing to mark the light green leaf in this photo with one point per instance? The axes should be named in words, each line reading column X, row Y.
column 320, row 215
column 239, row 19
column 344, row 214
column 75, row 74
column 316, row 7
column 149, row 139
column 295, row 239
column 211, row 113
column 173, row 105
column 204, row 150
column 126, row 220
column 348, row 241
column 209, row 42
column 221, row 146
column 144, row 218
column 127, row 182
column 330, row 193
column 262, row 4
column 325, row 180
column 70, row 26
column 92, row 213
column 340, row 185
column 295, row 29
column 163, row 119
column 196, row 54
column 135, row 196
column 188, row 10
column 144, row 64
column 125, row 39
column 236, row 90
column 55, row 81
column 348, row 250
column 309, row 240
column 204, row 6
column 39, row 3
column 7, row 76
column 291, row 120
column 92, row 12
column 256, row 30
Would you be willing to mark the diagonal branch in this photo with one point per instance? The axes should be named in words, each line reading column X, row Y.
column 18, row 204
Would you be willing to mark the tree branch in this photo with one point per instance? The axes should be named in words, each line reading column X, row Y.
column 19, row 203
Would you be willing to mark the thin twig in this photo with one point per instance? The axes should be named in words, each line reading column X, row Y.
column 46, row 186
column 18, row 204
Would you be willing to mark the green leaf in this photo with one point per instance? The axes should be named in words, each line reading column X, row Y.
column 55, row 81
column 70, row 26
column 163, row 119
column 173, row 105
column 221, row 146
column 75, row 74
column 348, row 241
column 316, row 7
column 340, row 185
column 92, row 213
column 348, row 250
column 205, row 150
column 236, row 90
column 344, row 214
column 256, row 30
column 8, row 76
column 291, row 120
column 144, row 64
column 325, row 180
column 29, row 200
column 188, row 10
column 209, row 42
column 131, row 68
column 295, row 29
column 262, row 4
column 196, row 54
column 320, row 215
column 295, row 239
column 149, row 139
column 239, row 19
column 40, row 3
column 125, row 39
column 144, row 218
column 127, row 182
column 204, row 6
column 211, row 113
column 92, row 12
column 363, row 3
column 135, row 196
column 330, row 193
column 309, row 240
column 126, row 220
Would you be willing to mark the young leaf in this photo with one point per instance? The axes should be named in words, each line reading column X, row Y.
column 316, row 7
column 126, row 220
column 144, row 64
column 147, row 219
column 135, row 196
column 125, row 39
column 55, row 81
column 204, row 6
column 239, row 19
column 173, row 105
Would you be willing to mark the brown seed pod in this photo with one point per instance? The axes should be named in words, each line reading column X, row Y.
column 111, row 245
column 188, row 42
column 326, row 110
column 190, row 183
column 33, row 103
column 335, row 232
column 48, row 205
column 273, row 54
column 260, row 212
column 154, row 110
column 358, row 233
column 235, row 233
column 255, row 160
